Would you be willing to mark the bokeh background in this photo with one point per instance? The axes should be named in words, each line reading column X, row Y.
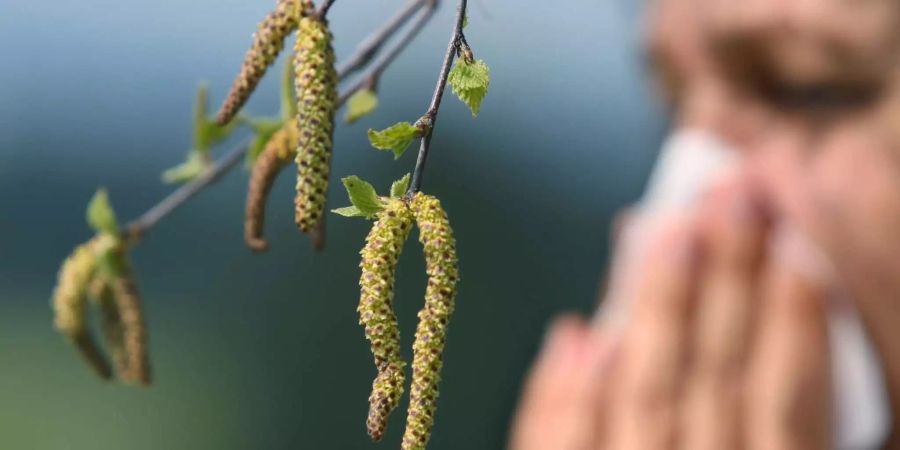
column 264, row 352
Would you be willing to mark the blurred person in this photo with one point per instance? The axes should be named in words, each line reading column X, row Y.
column 726, row 340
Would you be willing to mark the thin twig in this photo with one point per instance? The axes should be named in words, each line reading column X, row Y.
column 323, row 10
column 141, row 225
column 370, row 46
column 430, row 116
column 370, row 79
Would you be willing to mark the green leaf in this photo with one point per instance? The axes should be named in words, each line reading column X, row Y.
column 288, row 96
column 202, row 128
column 108, row 260
column 206, row 132
column 201, row 104
column 264, row 129
column 219, row 133
column 470, row 82
column 100, row 215
column 362, row 196
column 363, row 102
column 349, row 211
column 396, row 138
column 465, row 21
column 398, row 189
column 195, row 164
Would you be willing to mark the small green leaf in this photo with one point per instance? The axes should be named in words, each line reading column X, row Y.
column 218, row 133
column 465, row 21
column 396, row 138
column 363, row 102
column 201, row 104
column 470, row 82
column 202, row 129
column 206, row 131
column 288, row 96
column 264, row 129
column 100, row 215
column 398, row 189
column 195, row 164
column 349, row 211
column 363, row 196
column 108, row 260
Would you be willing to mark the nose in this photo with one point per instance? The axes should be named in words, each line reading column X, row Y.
column 713, row 106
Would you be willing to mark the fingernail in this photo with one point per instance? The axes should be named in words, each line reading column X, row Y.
column 798, row 254
column 681, row 243
column 671, row 240
column 561, row 345
column 725, row 180
column 740, row 207
column 604, row 350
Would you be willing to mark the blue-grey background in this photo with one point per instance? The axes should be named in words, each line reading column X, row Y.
column 264, row 352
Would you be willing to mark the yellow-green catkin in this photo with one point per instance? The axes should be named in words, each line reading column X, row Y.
column 436, row 237
column 278, row 153
column 376, row 310
column 315, row 81
column 134, row 330
column 69, row 301
column 110, row 322
column 268, row 42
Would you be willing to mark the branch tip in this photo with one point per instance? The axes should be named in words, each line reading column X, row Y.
column 453, row 48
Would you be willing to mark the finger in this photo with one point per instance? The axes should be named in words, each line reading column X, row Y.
column 734, row 244
column 789, row 406
column 782, row 170
column 845, row 200
column 857, row 182
column 655, row 342
column 564, row 392
column 620, row 225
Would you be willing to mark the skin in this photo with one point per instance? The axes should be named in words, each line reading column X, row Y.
column 727, row 346
column 835, row 175
column 839, row 43
column 841, row 185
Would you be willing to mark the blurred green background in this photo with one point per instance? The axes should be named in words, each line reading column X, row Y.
column 264, row 352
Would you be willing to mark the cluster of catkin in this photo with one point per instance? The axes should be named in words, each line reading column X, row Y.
column 278, row 153
column 376, row 313
column 315, row 82
column 308, row 141
column 268, row 42
column 100, row 270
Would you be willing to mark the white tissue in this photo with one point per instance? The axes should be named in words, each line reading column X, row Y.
column 689, row 162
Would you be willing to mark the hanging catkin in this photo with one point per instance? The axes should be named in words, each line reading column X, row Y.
column 134, row 330
column 376, row 310
column 315, row 81
column 436, row 237
column 136, row 367
column 69, row 298
column 110, row 322
column 278, row 153
column 267, row 44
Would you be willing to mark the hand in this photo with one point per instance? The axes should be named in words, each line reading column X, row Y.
column 726, row 348
column 840, row 184
column 828, row 164
column 832, row 169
